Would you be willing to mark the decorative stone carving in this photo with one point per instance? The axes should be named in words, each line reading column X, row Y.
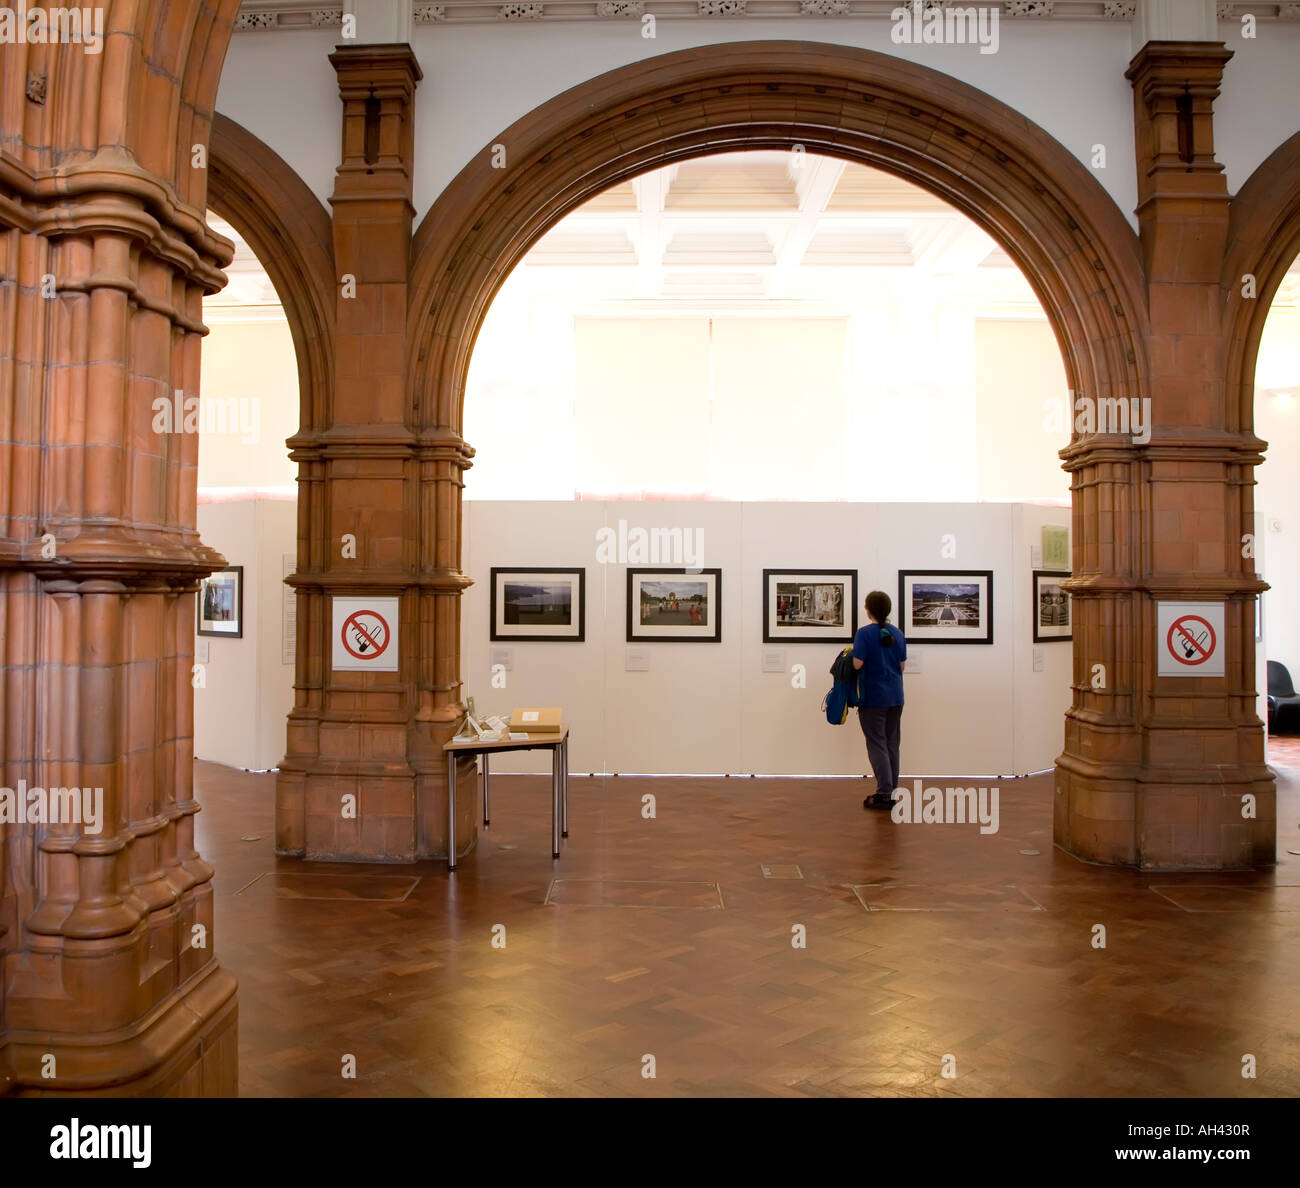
column 824, row 7
column 255, row 20
column 36, row 88
column 531, row 10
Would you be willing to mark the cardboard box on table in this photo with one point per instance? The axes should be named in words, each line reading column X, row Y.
column 536, row 720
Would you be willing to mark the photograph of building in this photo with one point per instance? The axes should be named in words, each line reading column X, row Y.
column 818, row 604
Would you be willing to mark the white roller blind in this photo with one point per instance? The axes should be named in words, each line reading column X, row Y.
column 519, row 405
column 641, row 416
column 778, row 408
column 1019, row 384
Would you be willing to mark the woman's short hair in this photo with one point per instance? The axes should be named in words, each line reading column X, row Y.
column 879, row 604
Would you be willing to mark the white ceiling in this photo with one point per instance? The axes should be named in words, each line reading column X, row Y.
column 760, row 226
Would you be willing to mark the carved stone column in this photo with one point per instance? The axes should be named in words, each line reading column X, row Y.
column 370, row 741
column 1168, row 772
column 110, row 978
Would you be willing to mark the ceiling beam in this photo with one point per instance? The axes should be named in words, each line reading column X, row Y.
column 957, row 245
column 650, row 238
column 815, row 181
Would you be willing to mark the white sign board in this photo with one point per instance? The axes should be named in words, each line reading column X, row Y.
column 1189, row 639
column 365, row 634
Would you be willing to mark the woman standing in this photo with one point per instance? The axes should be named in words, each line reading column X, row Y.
column 880, row 654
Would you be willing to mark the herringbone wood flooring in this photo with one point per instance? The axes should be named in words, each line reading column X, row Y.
column 635, row 955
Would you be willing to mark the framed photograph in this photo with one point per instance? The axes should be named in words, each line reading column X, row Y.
column 950, row 606
column 220, row 603
column 674, row 605
column 810, row 605
column 1051, row 606
column 541, row 604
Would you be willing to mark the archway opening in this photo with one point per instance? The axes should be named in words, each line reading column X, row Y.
column 245, row 646
column 1277, row 536
column 1036, row 200
column 825, row 380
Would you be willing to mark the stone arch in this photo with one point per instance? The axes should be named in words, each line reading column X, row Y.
column 292, row 235
column 1263, row 240
column 1022, row 186
column 290, row 232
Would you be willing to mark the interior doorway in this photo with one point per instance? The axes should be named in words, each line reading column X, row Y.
column 802, row 364
column 1039, row 204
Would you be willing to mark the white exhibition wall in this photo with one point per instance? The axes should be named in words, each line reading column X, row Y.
column 247, row 691
column 709, row 708
column 701, row 707
column 987, row 441
column 1277, row 497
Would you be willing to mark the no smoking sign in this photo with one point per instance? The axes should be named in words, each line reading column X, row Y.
column 365, row 634
column 1189, row 639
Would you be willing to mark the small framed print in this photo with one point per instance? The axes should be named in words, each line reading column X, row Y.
column 810, row 605
column 950, row 606
column 1056, row 547
column 220, row 603
column 541, row 604
column 674, row 605
column 1051, row 603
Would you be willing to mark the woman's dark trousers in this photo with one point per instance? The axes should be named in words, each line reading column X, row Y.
column 882, row 728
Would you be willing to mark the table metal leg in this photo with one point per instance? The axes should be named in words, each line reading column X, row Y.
column 555, row 802
column 484, row 760
column 564, row 788
column 451, row 810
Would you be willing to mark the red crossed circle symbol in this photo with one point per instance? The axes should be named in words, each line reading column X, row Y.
column 372, row 638
column 1190, row 646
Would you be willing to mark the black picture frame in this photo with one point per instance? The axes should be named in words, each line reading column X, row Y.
column 814, row 634
column 500, row 631
column 203, row 600
column 639, row 632
column 1054, row 575
column 946, row 577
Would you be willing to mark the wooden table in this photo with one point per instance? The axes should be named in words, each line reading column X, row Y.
column 557, row 743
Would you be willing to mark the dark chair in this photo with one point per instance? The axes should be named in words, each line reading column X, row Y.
column 1281, row 692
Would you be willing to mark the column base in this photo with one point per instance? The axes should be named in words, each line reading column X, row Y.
column 396, row 812
column 190, row 1048
column 1158, row 823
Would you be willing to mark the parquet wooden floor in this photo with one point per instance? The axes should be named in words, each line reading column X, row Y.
column 622, row 950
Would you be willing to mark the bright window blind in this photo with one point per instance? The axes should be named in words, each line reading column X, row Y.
column 641, row 416
column 778, row 408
